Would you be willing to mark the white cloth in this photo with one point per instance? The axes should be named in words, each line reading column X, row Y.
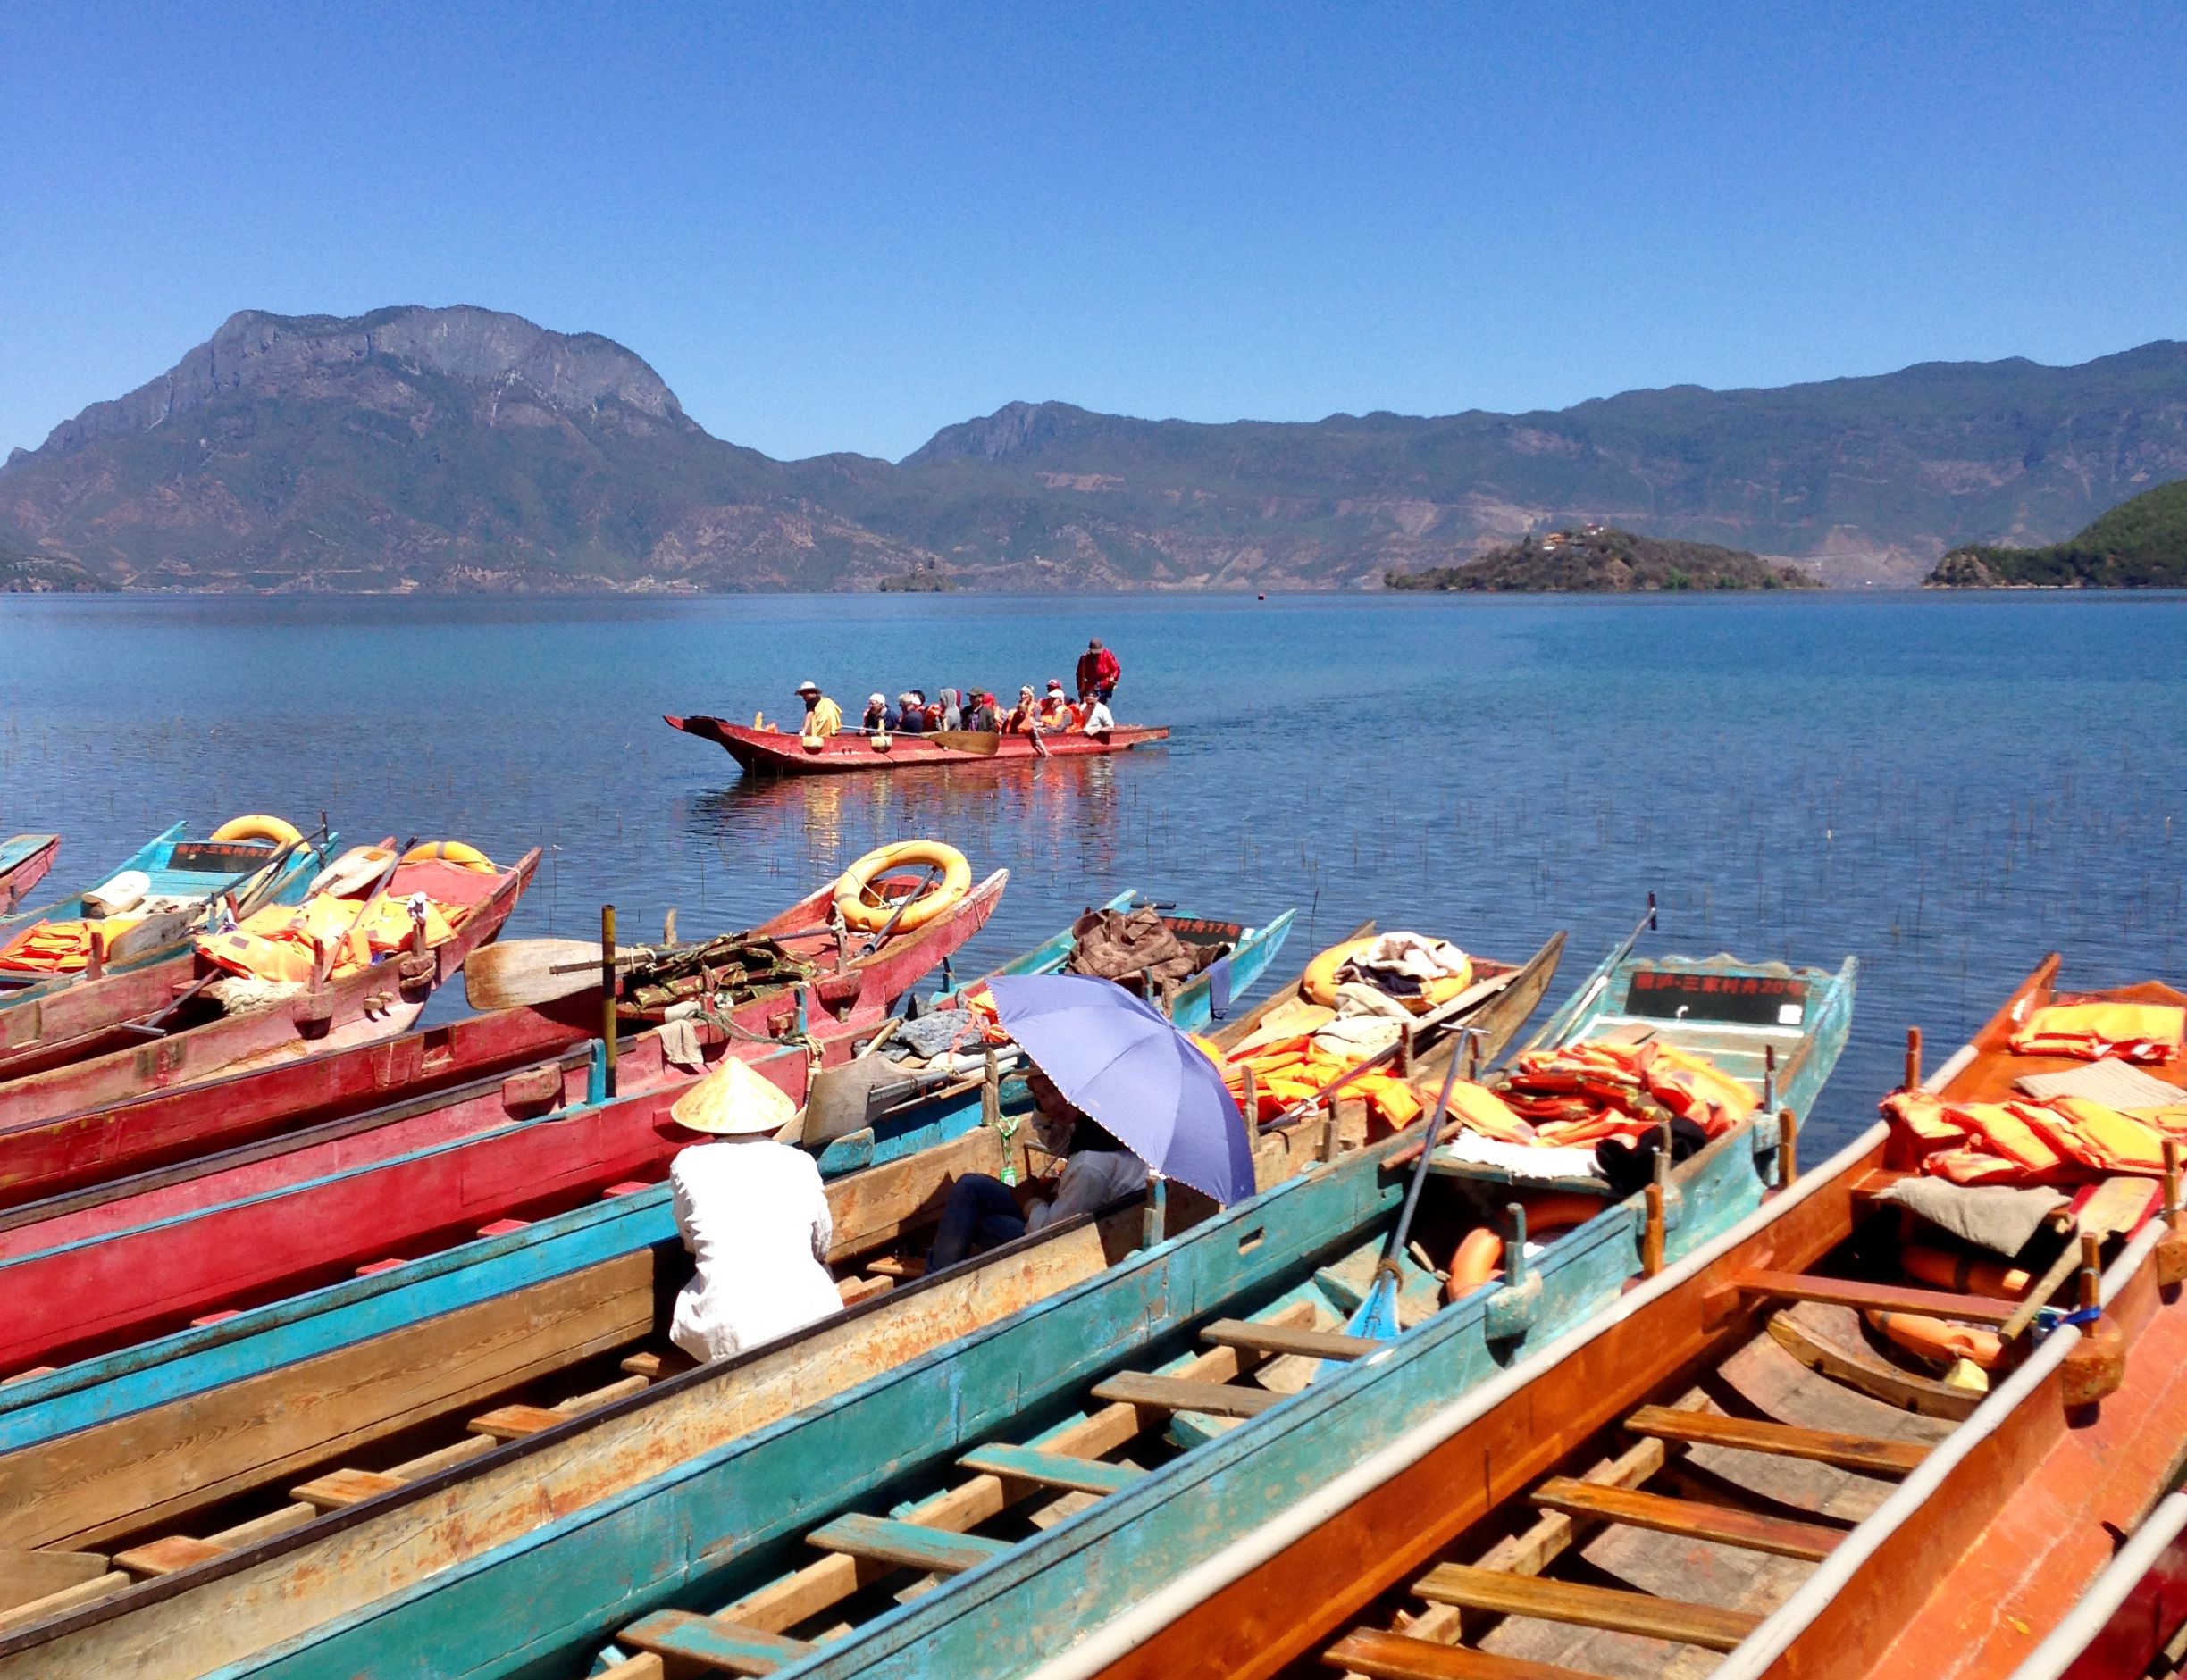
column 755, row 1215
column 1097, row 719
column 1526, row 1162
column 1091, row 1178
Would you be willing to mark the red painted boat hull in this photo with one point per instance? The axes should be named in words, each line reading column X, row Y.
column 128, row 1279
column 50, row 1155
column 26, row 872
column 770, row 752
column 373, row 1004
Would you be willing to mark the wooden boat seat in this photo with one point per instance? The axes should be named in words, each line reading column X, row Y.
column 716, row 1644
column 1051, row 1469
column 1370, row 1651
column 1692, row 1518
column 911, row 1545
column 1181, row 1395
column 1845, row 1453
column 1276, row 1339
column 1506, row 1594
column 1896, row 1297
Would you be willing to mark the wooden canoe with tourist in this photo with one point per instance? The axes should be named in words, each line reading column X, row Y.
column 194, row 1037
column 469, row 1515
column 769, row 752
column 24, row 861
column 1720, row 1475
column 75, row 980
column 50, row 1156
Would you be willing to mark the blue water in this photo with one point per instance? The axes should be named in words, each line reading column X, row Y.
column 1946, row 786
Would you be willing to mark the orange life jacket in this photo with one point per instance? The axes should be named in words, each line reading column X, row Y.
column 2090, row 1032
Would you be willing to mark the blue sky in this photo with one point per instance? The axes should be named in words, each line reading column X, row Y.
column 842, row 227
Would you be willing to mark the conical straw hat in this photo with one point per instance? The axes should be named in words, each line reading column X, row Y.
column 732, row 1101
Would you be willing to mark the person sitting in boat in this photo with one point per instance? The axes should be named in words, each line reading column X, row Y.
column 1025, row 716
column 947, row 712
column 980, row 712
column 984, row 1213
column 823, row 716
column 1098, row 671
column 911, row 711
column 753, row 1213
column 1055, row 707
column 878, row 714
column 1095, row 719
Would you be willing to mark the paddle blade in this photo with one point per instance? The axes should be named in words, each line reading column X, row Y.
column 1377, row 1318
column 512, row 973
column 981, row 742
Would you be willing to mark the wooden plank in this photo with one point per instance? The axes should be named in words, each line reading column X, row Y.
column 338, row 1488
column 1274, row 1339
column 911, row 1545
column 1568, row 1601
column 149, row 1467
column 1859, row 1369
column 1369, row 1650
column 1182, row 1394
column 726, row 1646
column 854, row 1289
column 165, row 1556
column 514, row 1422
column 1051, row 1469
column 67, row 1598
column 25, row 1575
column 1824, row 1446
column 644, row 1666
column 1896, row 1297
column 1695, row 1520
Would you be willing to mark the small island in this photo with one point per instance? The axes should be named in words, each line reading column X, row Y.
column 2139, row 544
column 928, row 579
column 1603, row 560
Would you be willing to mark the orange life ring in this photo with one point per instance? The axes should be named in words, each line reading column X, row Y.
column 1479, row 1254
column 269, row 828
column 1318, row 982
column 869, row 911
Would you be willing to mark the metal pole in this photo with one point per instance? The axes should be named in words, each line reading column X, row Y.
column 608, row 991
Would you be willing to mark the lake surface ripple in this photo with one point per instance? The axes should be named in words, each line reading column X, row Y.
column 1945, row 786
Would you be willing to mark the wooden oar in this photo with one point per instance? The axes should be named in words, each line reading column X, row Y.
column 980, row 743
column 511, row 972
column 2116, row 1204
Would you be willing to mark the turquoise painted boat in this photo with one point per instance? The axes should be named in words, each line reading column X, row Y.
column 127, row 1416
column 47, row 1018
column 696, row 1562
column 484, row 1493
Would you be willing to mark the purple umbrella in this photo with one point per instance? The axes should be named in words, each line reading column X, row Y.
column 1114, row 1056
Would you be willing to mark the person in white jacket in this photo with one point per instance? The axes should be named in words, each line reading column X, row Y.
column 754, row 1214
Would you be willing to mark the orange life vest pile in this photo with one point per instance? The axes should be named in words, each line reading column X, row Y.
column 281, row 942
column 2019, row 1142
column 2143, row 1032
column 1290, row 1070
column 1582, row 1093
column 65, row 947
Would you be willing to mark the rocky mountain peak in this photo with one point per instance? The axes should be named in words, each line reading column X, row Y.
column 267, row 355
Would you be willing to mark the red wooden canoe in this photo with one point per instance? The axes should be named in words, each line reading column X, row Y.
column 23, row 863
column 53, row 1154
column 401, row 1183
column 770, row 752
column 373, row 1004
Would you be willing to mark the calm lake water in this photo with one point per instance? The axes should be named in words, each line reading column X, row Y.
column 1947, row 787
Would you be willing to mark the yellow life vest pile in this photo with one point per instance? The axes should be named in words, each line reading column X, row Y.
column 1289, row 1070
column 2143, row 1032
column 282, row 942
column 65, row 947
column 2062, row 1141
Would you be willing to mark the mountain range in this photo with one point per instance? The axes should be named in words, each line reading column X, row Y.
column 460, row 448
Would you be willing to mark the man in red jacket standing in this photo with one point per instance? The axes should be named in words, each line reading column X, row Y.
column 1098, row 670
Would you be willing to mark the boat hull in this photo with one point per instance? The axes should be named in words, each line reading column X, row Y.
column 24, row 861
column 770, row 753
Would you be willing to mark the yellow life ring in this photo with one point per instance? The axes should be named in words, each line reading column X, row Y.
column 455, row 852
column 1318, row 982
column 866, row 910
column 270, row 829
